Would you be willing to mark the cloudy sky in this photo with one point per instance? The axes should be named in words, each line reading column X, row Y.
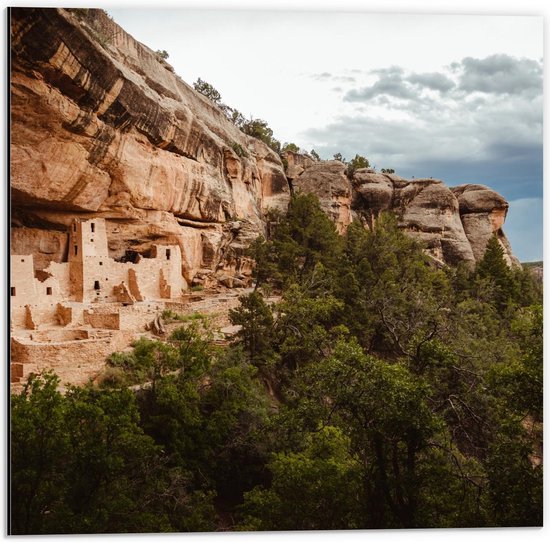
column 454, row 97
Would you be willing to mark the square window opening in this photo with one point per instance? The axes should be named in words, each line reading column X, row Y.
column 48, row 290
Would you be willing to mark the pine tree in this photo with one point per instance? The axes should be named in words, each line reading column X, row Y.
column 493, row 267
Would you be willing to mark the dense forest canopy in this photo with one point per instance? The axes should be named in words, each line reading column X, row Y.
column 380, row 391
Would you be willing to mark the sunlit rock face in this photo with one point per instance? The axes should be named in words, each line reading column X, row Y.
column 101, row 126
column 483, row 212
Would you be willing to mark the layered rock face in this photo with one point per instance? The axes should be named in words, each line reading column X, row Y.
column 103, row 127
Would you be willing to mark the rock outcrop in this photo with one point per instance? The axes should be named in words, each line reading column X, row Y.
column 483, row 213
column 101, row 126
column 427, row 209
column 454, row 224
column 329, row 182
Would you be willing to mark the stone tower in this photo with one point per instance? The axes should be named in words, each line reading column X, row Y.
column 88, row 259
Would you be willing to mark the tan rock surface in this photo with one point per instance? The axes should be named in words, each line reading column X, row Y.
column 102, row 126
column 328, row 181
column 483, row 212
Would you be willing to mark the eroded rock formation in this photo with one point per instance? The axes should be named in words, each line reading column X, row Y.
column 103, row 127
column 454, row 224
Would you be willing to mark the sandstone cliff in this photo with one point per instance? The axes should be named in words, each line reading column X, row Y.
column 102, row 127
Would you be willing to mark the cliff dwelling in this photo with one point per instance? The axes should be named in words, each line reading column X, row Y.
column 71, row 315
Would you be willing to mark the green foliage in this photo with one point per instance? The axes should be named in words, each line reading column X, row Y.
column 82, row 464
column 150, row 360
column 253, row 127
column 304, row 238
column 397, row 300
column 387, row 170
column 514, row 483
column 260, row 130
column 297, row 500
column 290, row 147
column 314, row 155
column 163, row 54
column 239, row 150
column 358, row 162
column 257, row 322
column 374, row 391
column 494, row 269
column 338, row 156
column 520, row 381
column 206, row 89
column 300, row 241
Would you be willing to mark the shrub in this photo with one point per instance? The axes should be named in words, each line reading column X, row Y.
column 290, row 147
column 239, row 150
column 206, row 89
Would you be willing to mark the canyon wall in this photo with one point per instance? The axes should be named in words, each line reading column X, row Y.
column 101, row 126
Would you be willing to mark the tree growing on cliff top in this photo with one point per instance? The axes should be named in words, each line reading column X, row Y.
column 206, row 89
column 358, row 162
column 259, row 129
column 290, row 147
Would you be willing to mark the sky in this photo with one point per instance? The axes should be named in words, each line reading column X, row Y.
column 453, row 97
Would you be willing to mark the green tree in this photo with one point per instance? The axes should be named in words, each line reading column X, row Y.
column 257, row 331
column 519, row 380
column 163, row 54
column 317, row 488
column 82, row 464
column 385, row 410
column 358, row 162
column 290, row 147
column 206, row 89
column 398, row 302
column 236, row 117
column 304, row 238
column 493, row 267
column 260, row 130
column 235, row 408
column 515, row 490
column 39, row 447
